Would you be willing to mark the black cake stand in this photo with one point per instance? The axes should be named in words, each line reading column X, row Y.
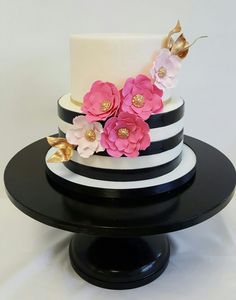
column 120, row 243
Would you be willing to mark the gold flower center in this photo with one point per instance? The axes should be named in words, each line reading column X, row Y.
column 90, row 135
column 138, row 100
column 105, row 105
column 123, row 133
column 161, row 72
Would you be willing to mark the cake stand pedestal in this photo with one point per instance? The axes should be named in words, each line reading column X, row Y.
column 120, row 243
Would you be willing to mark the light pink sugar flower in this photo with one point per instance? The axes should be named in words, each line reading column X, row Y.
column 141, row 97
column 101, row 102
column 165, row 69
column 86, row 136
column 126, row 135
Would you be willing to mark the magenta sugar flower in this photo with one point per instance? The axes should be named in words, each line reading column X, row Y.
column 141, row 97
column 101, row 102
column 165, row 69
column 125, row 134
column 86, row 136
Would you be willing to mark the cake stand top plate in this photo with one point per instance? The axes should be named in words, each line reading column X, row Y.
column 211, row 189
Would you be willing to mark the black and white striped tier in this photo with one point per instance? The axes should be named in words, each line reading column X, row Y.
column 74, row 182
column 161, row 157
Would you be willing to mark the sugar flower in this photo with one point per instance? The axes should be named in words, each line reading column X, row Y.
column 165, row 69
column 125, row 134
column 141, row 97
column 101, row 102
column 86, row 136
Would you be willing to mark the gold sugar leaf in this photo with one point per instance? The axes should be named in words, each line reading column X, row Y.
column 168, row 43
column 182, row 52
column 57, row 142
column 60, row 156
column 64, row 152
column 180, row 46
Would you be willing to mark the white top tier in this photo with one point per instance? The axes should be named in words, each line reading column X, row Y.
column 111, row 58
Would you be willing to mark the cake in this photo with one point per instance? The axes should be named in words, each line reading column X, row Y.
column 121, row 130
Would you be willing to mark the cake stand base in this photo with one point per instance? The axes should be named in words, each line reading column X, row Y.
column 119, row 244
column 119, row 263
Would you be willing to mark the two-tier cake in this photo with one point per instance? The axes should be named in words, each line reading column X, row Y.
column 121, row 128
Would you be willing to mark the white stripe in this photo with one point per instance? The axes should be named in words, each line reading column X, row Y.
column 162, row 133
column 128, row 163
column 156, row 134
column 187, row 164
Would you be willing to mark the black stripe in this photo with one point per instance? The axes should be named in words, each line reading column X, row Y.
column 61, row 133
column 75, row 188
column 158, row 120
column 66, row 114
column 124, row 175
column 154, row 148
column 166, row 118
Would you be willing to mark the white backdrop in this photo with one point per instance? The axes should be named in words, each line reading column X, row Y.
column 34, row 72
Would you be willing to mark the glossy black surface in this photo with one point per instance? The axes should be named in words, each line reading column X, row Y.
column 119, row 263
column 115, row 248
column 207, row 193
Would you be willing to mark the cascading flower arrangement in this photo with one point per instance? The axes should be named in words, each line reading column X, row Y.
column 125, row 131
column 123, row 112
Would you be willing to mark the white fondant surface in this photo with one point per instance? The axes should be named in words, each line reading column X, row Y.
column 110, row 57
column 156, row 134
column 169, row 105
column 187, row 164
column 128, row 163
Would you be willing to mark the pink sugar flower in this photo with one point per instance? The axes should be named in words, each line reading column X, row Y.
column 165, row 69
column 141, row 97
column 125, row 134
column 86, row 136
column 101, row 102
